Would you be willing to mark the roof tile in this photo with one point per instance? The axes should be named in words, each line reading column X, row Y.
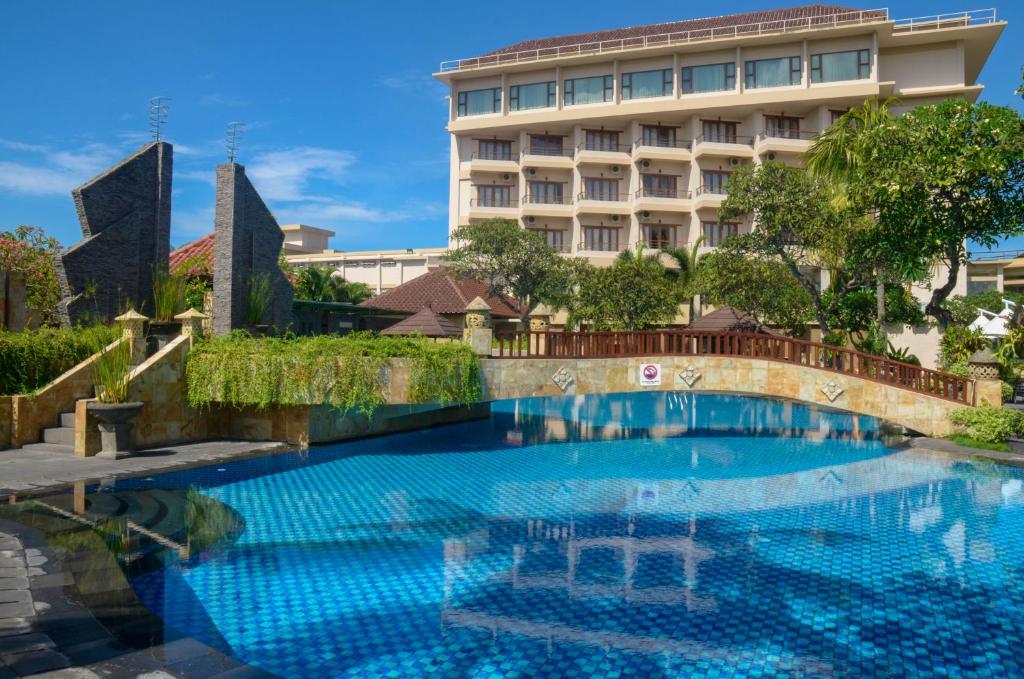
column 443, row 292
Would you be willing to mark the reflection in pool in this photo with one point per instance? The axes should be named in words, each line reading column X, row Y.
column 651, row 534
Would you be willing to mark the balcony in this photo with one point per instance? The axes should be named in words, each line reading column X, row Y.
column 603, row 203
column 710, row 196
column 559, row 240
column 665, row 200
column 783, row 141
column 493, row 161
column 681, row 150
column 741, row 146
column 546, row 205
column 484, row 208
column 546, row 156
column 613, row 153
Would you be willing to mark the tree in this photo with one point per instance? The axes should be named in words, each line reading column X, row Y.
column 761, row 287
column 319, row 284
column 634, row 293
column 513, row 262
column 935, row 178
column 688, row 263
column 29, row 250
column 796, row 224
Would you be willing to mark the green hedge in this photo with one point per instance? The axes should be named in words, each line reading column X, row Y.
column 30, row 359
column 343, row 371
column 989, row 423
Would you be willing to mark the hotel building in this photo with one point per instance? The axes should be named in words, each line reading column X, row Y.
column 604, row 140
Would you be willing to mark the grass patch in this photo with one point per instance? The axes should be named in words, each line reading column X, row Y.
column 970, row 442
column 349, row 372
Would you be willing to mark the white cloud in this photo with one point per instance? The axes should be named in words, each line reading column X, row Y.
column 54, row 172
column 286, row 174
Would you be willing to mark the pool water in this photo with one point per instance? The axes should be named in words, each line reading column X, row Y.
column 634, row 535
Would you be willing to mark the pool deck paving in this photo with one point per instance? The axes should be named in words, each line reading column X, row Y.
column 28, row 470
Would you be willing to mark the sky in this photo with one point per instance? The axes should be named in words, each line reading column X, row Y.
column 344, row 124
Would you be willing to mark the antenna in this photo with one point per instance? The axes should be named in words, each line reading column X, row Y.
column 158, row 109
column 232, row 138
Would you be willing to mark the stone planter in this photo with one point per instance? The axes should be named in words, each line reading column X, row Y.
column 115, row 425
column 160, row 335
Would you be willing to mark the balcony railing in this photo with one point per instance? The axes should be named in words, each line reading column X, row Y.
column 607, row 196
column 975, row 17
column 787, row 134
column 661, row 243
column 600, row 247
column 559, row 242
column 685, row 144
column 546, row 199
column 494, row 202
column 679, row 194
column 742, row 139
column 493, row 155
column 546, row 151
column 604, row 146
column 712, row 190
column 668, row 39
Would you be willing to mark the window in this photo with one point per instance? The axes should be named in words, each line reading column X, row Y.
column 588, row 90
column 545, row 145
column 710, row 78
column 537, row 95
column 853, row 65
column 714, row 181
column 555, row 238
column 660, row 236
column 495, row 149
column 599, row 188
column 494, row 196
column 718, row 131
column 601, row 140
column 772, row 72
column 716, row 232
column 476, row 102
column 782, row 126
column 835, row 115
column 655, row 135
column 647, row 84
column 546, row 193
column 659, row 185
column 601, row 238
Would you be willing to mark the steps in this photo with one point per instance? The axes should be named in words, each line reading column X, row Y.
column 60, row 438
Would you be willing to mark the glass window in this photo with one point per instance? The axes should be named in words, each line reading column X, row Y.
column 545, row 145
column 716, row 232
column 657, row 135
column 555, row 238
column 602, row 140
column 494, row 196
column 719, row 131
column 588, row 90
column 495, row 149
column 645, row 84
column 714, row 181
column 537, row 95
column 659, row 236
column 709, row 78
column 476, row 102
column 659, row 185
column 772, row 72
column 599, row 188
column 853, row 65
column 601, row 238
column 782, row 126
column 546, row 193
column 835, row 115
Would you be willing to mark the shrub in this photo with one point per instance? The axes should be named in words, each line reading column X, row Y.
column 168, row 295
column 1007, row 390
column 345, row 371
column 988, row 423
column 30, row 359
column 110, row 373
column 28, row 249
column 958, row 343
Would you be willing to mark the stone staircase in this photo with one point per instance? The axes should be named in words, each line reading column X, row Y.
column 59, row 439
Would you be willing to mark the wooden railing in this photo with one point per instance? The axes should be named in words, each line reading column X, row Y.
column 528, row 344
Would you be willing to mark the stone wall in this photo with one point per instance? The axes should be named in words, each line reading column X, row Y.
column 511, row 378
column 125, row 215
column 247, row 243
column 14, row 312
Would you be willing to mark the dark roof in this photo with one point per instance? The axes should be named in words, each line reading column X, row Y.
column 726, row 319
column 442, row 292
column 728, row 21
column 200, row 251
column 425, row 322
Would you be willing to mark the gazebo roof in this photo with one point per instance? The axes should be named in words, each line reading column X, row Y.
column 426, row 322
column 726, row 319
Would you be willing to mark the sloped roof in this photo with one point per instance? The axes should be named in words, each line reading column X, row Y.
column 201, row 248
column 726, row 319
column 727, row 21
column 425, row 322
column 443, row 292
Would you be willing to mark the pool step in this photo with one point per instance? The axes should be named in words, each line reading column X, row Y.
column 67, row 420
column 49, row 448
column 62, row 435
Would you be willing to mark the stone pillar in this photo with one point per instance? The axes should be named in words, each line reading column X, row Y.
column 478, row 332
column 983, row 368
column 540, row 322
column 193, row 323
column 132, row 329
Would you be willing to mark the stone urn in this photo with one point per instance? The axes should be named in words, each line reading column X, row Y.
column 115, row 425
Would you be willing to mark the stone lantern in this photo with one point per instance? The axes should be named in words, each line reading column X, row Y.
column 133, row 330
column 983, row 368
column 193, row 323
column 477, row 332
column 540, row 322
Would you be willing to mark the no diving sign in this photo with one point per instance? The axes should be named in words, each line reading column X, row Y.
column 650, row 374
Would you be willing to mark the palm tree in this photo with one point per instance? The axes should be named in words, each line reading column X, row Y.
column 320, row 284
column 688, row 262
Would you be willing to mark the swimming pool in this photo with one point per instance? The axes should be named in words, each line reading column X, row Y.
column 650, row 534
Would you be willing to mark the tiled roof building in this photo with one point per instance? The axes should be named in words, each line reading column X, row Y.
column 444, row 293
